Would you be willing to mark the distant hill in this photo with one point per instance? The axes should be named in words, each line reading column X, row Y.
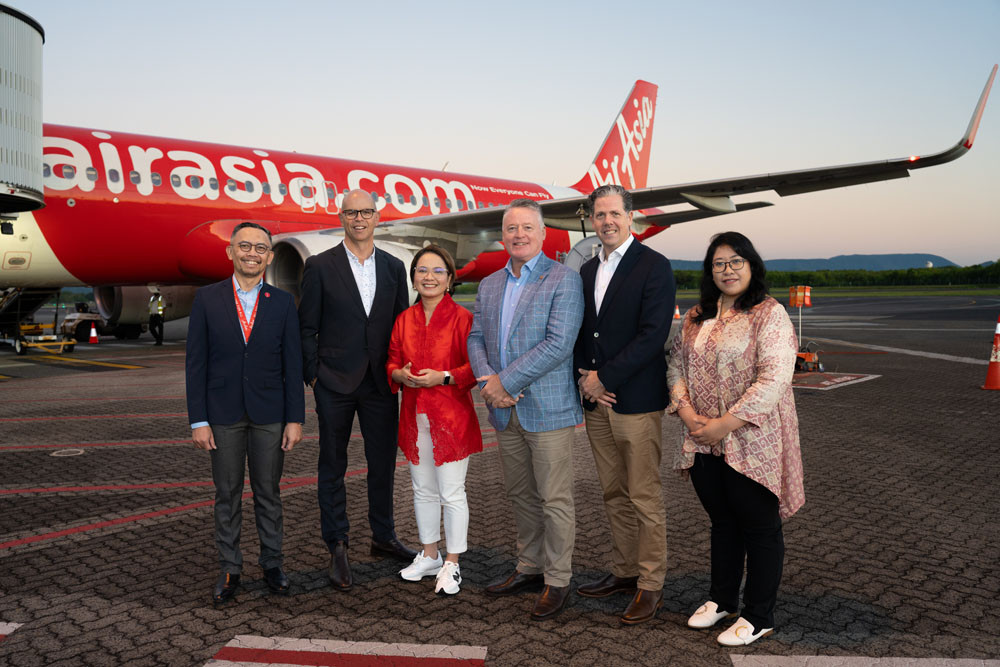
column 840, row 262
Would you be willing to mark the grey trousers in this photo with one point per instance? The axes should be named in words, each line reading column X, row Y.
column 236, row 445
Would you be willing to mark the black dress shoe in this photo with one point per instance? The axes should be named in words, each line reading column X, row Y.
column 393, row 548
column 515, row 583
column 276, row 580
column 340, row 568
column 550, row 603
column 643, row 607
column 609, row 585
column 225, row 588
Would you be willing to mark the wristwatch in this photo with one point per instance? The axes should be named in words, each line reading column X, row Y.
column 447, row 378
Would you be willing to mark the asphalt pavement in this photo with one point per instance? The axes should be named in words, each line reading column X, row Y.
column 107, row 558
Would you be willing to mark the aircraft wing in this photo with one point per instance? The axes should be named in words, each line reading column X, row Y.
column 711, row 198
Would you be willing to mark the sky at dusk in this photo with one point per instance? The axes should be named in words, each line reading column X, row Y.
column 528, row 90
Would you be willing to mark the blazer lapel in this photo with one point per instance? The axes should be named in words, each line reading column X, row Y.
column 229, row 309
column 381, row 279
column 263, row 308
column 342, row 264
column 621, row 275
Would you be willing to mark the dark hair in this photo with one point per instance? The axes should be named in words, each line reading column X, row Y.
column 609, row 191
column 449, row 264
column 756, row 290
column 251, row 225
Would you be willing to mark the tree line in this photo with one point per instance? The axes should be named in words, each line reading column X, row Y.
column 949, row 275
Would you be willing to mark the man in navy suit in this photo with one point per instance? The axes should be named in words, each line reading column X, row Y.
column 245, row 400
column 628, row 292
column 351, row 295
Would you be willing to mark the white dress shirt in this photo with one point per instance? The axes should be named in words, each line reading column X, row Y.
column 364, row 276
column 606, row 270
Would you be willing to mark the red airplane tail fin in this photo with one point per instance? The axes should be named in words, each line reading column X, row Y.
column 624, row 157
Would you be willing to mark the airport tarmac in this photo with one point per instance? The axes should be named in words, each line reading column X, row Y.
column 106, row 551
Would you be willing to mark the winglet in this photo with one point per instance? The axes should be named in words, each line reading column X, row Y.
column 970, row 133
column 965, row 143
column 624, row 156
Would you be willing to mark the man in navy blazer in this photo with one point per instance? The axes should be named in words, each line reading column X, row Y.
column 351, row 295
column 245, row 400
column 628, row 292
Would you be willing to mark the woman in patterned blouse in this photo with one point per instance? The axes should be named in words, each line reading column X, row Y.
column 730, row 381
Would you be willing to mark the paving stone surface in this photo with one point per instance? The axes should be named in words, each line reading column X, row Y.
column 896, row 553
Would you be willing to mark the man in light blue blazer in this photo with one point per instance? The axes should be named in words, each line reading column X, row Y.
column 525, row 324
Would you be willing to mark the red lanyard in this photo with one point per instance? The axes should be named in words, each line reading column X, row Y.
column 247, row 326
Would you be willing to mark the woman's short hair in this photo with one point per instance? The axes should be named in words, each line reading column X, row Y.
column 756, row 290
column 449, row 264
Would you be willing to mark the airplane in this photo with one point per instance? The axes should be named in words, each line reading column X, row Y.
column 133, row 215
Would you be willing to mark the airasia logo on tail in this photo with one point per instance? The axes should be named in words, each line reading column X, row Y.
column 627, row 158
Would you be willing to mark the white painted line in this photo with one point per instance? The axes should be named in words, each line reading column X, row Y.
column 851, row 661
column 865, row 325
column 835, row 385
column 899, row 350
column 7, row 628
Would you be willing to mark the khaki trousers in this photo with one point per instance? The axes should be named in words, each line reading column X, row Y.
column 627, row 450
column 538, row 476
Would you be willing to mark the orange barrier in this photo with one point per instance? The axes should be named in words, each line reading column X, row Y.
column 993, row 372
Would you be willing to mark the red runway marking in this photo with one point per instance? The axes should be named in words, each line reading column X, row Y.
column 324, row 659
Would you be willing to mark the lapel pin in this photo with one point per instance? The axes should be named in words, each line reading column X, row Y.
column 267, row 295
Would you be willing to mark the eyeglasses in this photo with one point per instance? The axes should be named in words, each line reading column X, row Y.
column 246, row 246
column 438, row 271
column 352, row 213
column 735, row 264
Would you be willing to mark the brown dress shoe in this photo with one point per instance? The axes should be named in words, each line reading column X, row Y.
column 550, row 602
column 609, row 585
column 516, row 583
column 643, row 607
column 340, row 568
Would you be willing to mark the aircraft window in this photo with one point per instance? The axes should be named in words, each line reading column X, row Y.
column 265, row 187
column 213, row 182
column 68, row 171
column 91, row 174
column 374, row 195
column 399, row 198
column 479, row 204
column 346, row 191
column 231, row 185
column 46, row 171
column 175, row 180
column 425, row 202
column 387, row 197
column 134, row 177
column 413, row 200
column 157, row 179
column 196, row 182
column 282, row 189
column 307, row 191
column 458, row 203
column 437, row 202
column 448, row 202
column 470, row 205
column 331, row 194
column 113, row 175
column 249, row 186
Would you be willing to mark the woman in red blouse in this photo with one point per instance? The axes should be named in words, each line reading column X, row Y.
column 438, row 427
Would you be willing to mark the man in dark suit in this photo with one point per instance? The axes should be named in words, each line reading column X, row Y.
column 628, row 306
column 245, row 400
column 351, row 295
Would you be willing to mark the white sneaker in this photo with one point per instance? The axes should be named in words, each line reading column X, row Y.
column 742, row 633
column 448, row 579
column 421, row 567
column 708, row 615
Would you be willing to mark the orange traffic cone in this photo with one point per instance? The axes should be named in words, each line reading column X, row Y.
column 677, row 312
column 93, row 333
column 993, row 373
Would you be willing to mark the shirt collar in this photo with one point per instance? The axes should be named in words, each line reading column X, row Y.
column 620, row 250
column 256, row 287
column 529, row 265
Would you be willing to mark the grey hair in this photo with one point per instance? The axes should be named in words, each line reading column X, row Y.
column 607, row 191
column 250, row 225
column 526, row 203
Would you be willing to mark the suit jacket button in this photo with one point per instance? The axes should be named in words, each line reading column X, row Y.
column 596, row 335
column 593, row 361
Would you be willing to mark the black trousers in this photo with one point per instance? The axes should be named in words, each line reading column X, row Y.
column 745, row 525
column 378, row 415
column 237, row 445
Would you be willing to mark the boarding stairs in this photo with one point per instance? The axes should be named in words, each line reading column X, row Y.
column 18, row 304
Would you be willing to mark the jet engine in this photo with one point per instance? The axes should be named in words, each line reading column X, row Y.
column 127, row 308
column 292, row 250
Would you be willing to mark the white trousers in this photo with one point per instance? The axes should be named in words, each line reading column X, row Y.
column 437, row 487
